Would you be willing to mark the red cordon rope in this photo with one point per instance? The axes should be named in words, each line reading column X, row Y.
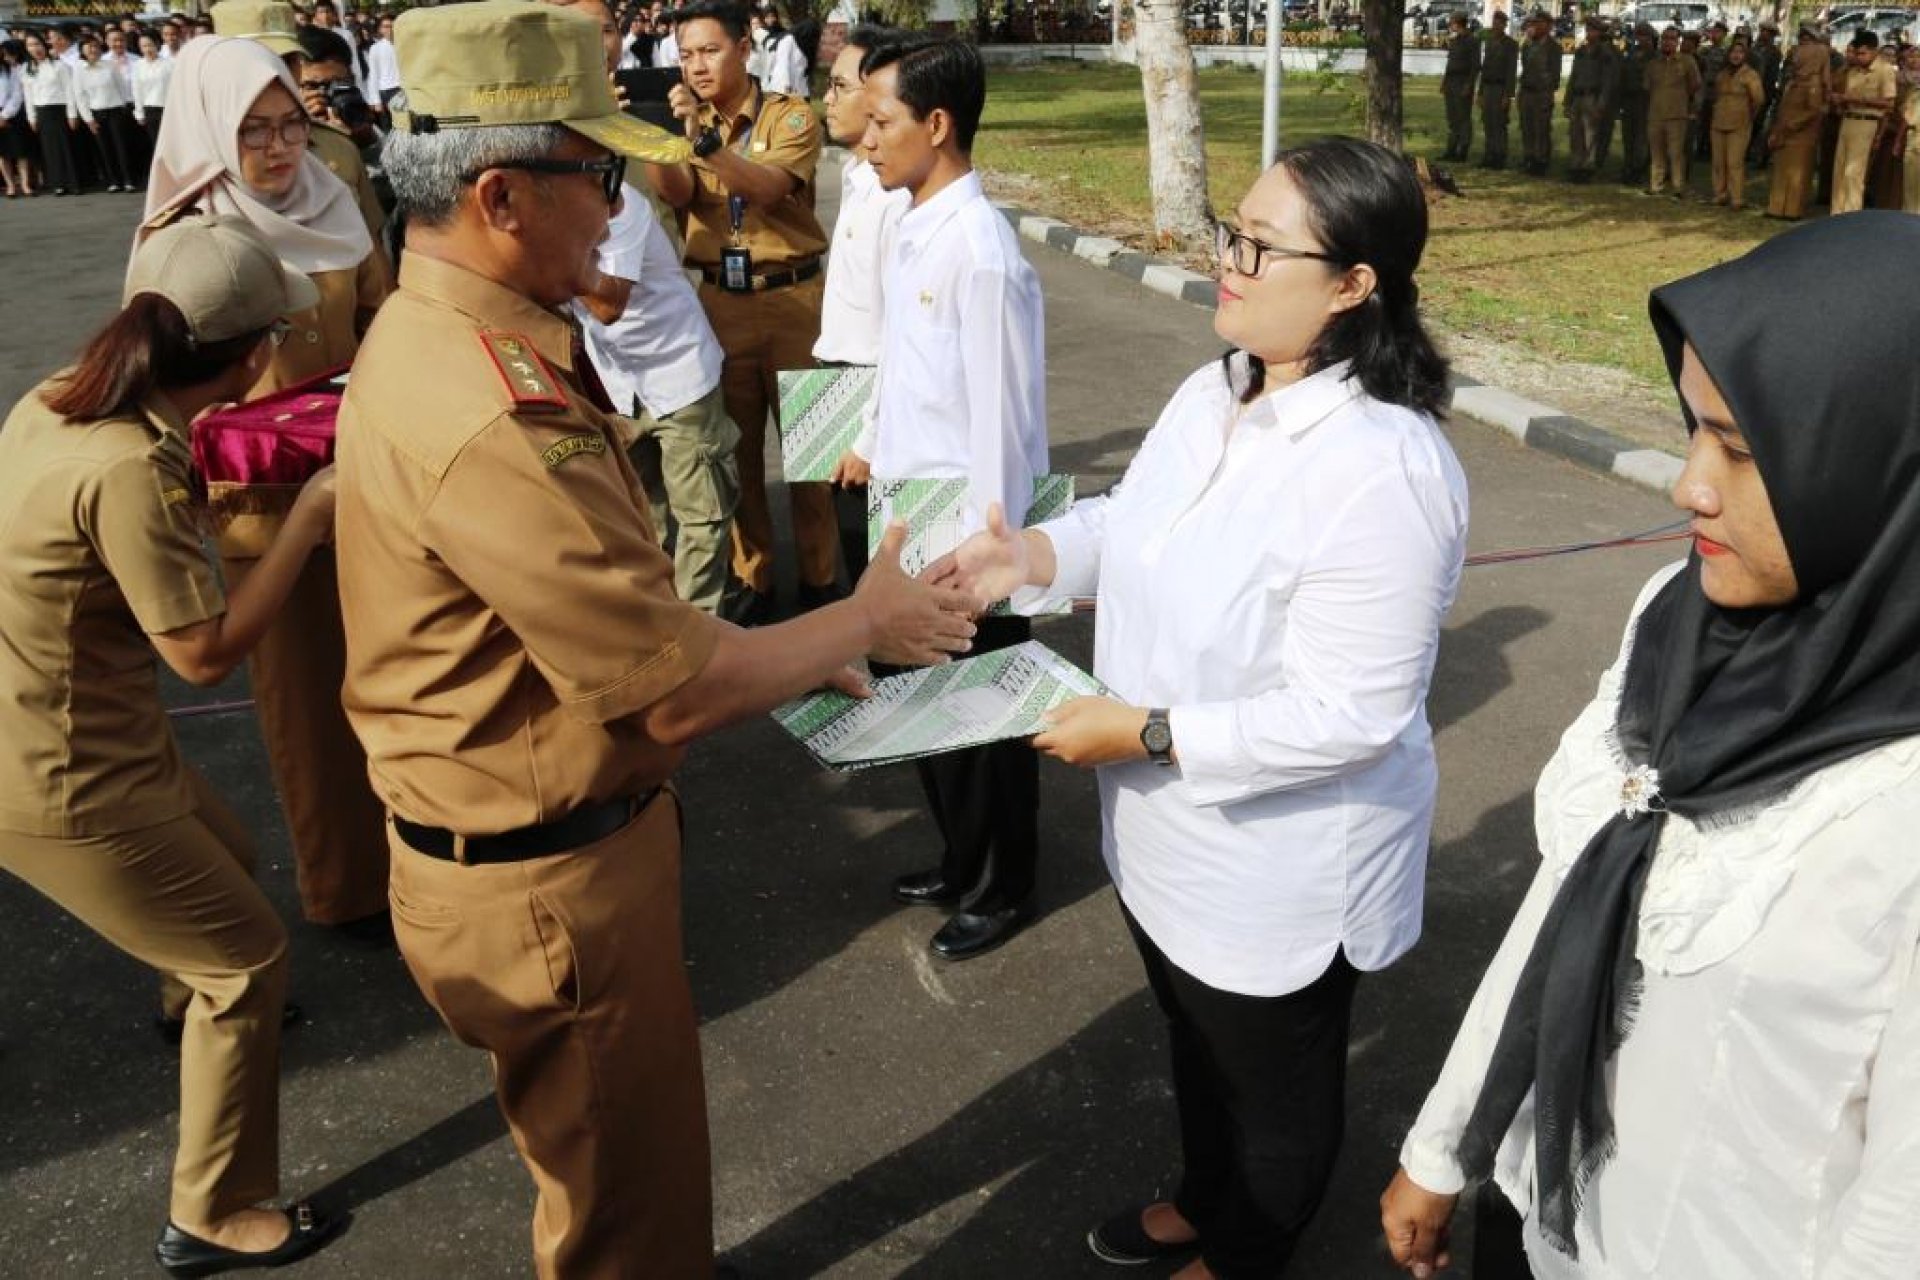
column 1675, row 532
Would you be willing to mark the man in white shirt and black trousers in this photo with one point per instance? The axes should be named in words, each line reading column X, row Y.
column 852, row 305
column 962, row 395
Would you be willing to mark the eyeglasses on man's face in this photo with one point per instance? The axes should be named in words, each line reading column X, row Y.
column 292, row 131
column 611, row 168
column 1250, row 257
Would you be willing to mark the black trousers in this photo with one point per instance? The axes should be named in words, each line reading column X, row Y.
column 116, row 149
column 1498, row 1253
column 986, row 802
column 850, row 515
column 1260, row 1083
column 154, row 116
column 56, row 148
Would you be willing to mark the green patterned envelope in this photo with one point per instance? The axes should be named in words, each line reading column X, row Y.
column 820, row 415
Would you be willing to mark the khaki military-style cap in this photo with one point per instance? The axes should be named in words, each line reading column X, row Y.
column 221, row 274
column 270, row 22
column 494, row 62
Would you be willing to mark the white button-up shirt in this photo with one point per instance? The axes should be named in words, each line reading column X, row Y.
column 1276, row 576
column 1767, row 1103
column 963, row 370
column 383, row 67
column 666, row 51
column 863, row 235
column 151, row 79
column 47, row 84
column 97, row 87
column 786, row 67
column 13, row 98
column 661, row 350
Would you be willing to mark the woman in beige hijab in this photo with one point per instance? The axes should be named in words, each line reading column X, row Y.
column 234, row 141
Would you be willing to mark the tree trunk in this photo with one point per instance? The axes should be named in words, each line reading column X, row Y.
column 1385, row 31
column 1176, row 142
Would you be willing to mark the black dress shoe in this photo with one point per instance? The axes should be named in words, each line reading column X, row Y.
column 185, row 1255
column 172, row 1029
column 967, row 934
column 1123, row 1240
column 925, row 889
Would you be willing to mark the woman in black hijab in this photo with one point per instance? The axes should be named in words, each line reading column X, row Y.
column 1697, row 1052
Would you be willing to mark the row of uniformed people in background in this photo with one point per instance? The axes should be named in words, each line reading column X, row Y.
column 1845, row 125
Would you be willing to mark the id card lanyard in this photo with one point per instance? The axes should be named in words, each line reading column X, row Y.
column 736, row 263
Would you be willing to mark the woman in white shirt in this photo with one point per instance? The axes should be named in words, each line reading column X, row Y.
column 1696, row 1053
column 152, row 76
column 16, row 134
column 48, row 93
column 100, row 94
column 1271, row 573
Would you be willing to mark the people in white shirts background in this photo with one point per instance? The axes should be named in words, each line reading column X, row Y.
column 383, row 68
column 47, row 88
column 852, row 305
column 1272, row 572
column 962, row 395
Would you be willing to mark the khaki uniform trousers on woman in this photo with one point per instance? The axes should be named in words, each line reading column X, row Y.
column 180, row 897
column 1801, row 116
column 1730, row 165
column 319, row 769
column 585, row 1012
column 763, row 333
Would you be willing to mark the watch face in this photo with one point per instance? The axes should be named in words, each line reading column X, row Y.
column 1157, row 736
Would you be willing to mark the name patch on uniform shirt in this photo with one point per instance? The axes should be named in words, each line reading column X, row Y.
column 572, row 447
column 528, row 379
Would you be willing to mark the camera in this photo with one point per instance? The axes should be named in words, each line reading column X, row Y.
column 347, row 104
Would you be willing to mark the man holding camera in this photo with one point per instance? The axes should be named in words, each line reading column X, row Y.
column 746, row 208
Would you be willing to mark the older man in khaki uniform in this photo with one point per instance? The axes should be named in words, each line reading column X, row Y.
column 518, row 667
column 746, row 202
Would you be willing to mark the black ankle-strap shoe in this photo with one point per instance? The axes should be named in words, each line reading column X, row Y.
column 188, row 1255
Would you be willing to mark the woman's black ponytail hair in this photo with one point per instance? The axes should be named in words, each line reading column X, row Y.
column 1365, row 206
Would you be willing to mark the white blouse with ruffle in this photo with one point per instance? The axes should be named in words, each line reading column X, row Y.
column 1767, row 1102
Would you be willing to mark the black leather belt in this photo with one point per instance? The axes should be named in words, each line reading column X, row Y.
column 582, row 827
column 1862, row 115
column 771, row 279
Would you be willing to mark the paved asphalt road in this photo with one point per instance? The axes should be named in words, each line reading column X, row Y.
column 875, row 1113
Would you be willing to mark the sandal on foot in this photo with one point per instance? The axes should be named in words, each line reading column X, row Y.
column 188, row 1255
column 1123, row 1240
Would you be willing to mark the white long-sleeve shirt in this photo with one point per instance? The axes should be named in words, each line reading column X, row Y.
column 48, row 84
column 1276, row 576
column 962, row 388
column 97, row 87
column 1767, row 1103
column 383, row 68
column 152, row 77
column 661, row 351
column 13, row 98
column 666, row 51
column 863, row 235
column 786, row 68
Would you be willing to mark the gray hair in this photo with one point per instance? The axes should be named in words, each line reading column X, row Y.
column 427, row 170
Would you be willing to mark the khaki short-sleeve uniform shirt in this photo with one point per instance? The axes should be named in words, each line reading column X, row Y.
column 508, row 612
column 1878, row 81
column 100, row 547
column 773, row 129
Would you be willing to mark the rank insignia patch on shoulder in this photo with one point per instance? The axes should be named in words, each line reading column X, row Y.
column 797, row 122
column 572, row 447
column 529, row 381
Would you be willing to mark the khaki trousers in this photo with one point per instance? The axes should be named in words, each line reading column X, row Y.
column 568, row 971
column 1792, row 179
column 319, row 768
column 762, row 334
column 1910, row 175
column 687, row 466
column 180, row 897
column 1730, row 165
column 1850, row 161
column 1667, row 154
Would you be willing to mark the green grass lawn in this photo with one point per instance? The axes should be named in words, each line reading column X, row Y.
column 1560, row 270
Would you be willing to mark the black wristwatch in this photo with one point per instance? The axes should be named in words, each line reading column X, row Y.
column 1157, row 737
column 708, row 142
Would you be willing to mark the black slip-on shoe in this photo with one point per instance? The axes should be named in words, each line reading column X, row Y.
column 187, row 1255
column 1122, row 1240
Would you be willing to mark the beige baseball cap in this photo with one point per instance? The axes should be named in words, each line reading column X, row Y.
column 493, row 62
column 222, row 275
column 270, row 22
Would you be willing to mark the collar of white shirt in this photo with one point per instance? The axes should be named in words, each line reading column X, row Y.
column 1303, row 405
column 923, row 222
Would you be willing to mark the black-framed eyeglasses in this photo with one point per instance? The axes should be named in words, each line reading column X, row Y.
column 293, row 132
column 612, row 170
column 1249, row 257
